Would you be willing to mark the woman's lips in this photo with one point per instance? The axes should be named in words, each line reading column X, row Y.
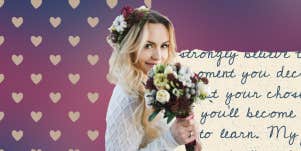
column 150, row 64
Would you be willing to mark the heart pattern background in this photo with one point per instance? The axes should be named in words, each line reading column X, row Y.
column 54, row 59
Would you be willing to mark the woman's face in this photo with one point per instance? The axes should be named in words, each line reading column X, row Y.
column 155, row 48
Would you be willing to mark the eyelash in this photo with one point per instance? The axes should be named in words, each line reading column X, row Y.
column 166, row 45
column 146, row 46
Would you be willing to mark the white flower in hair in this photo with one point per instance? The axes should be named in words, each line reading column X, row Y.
column 119, row 24
column 143, row 8
column 111, row 28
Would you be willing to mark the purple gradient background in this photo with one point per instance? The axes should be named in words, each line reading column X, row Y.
column 205, row 24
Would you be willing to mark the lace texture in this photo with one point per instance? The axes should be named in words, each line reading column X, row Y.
column 125, row 133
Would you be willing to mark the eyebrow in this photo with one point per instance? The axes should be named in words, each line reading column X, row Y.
column 155, row 43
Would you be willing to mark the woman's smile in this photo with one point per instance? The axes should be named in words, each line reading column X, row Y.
column 150, row 64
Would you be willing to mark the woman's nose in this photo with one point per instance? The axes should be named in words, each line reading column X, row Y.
column 156, row 55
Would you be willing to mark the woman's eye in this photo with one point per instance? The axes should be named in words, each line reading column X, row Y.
column 165, row 46
column 148, row 46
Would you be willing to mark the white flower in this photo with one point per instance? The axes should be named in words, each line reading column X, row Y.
column 185, row 71
column 141, row 8
column 151, row 73
column 111, row 28
column 177, row 92
column 119, row 23
column 169, row 70
column 185, row 79
column 203, row 89
column 184, row 76
column 162, row 96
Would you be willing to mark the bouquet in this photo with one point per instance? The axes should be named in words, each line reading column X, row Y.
column 174, row 89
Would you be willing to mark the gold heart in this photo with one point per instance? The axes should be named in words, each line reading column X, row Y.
column 55, row 22
column 74, row 78
column 55, row 135
column 148, row 3
column 36, row 78
column 17, row 21
column 2, row 39
column 17, row 59
column 35, row 150
column 36, row 3
column 92, row 134
column 36, row 116
column 55, row 59
column 1, row 4
column 17, row 97
column 93, row 59
column 74, row 3
column 74, row 40
column 73, row 149
column 55, row 97
column 93, row 97
column 2, row 77
column 36, row 40
column 1, row 116
column 93, row 21
column 112, row 3
column 17, row 135
column 74, row 116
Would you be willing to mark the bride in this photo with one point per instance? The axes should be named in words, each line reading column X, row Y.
column 141, row 38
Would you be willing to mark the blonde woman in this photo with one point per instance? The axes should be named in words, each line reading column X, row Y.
column 140, row 38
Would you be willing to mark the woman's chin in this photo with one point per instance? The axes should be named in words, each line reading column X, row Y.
column 147, row 69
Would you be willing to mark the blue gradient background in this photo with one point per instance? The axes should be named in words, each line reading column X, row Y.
column 200, row 24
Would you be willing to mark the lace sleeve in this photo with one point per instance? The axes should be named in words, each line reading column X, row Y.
column 123, row 132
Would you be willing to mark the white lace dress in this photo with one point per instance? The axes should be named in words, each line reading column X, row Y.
column 122, row 131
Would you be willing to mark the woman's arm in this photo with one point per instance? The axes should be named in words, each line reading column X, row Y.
column 123, row 132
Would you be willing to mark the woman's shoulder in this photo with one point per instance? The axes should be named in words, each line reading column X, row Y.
column 120, row 101
column 120, row 94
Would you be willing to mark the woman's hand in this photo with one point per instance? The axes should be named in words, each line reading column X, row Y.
column 198, row 146
column 184, row 130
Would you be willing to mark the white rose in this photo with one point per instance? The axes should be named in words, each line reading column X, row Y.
column 162, row 96
column 203, row 89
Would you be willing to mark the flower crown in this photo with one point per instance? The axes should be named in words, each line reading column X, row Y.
column 122, row 23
